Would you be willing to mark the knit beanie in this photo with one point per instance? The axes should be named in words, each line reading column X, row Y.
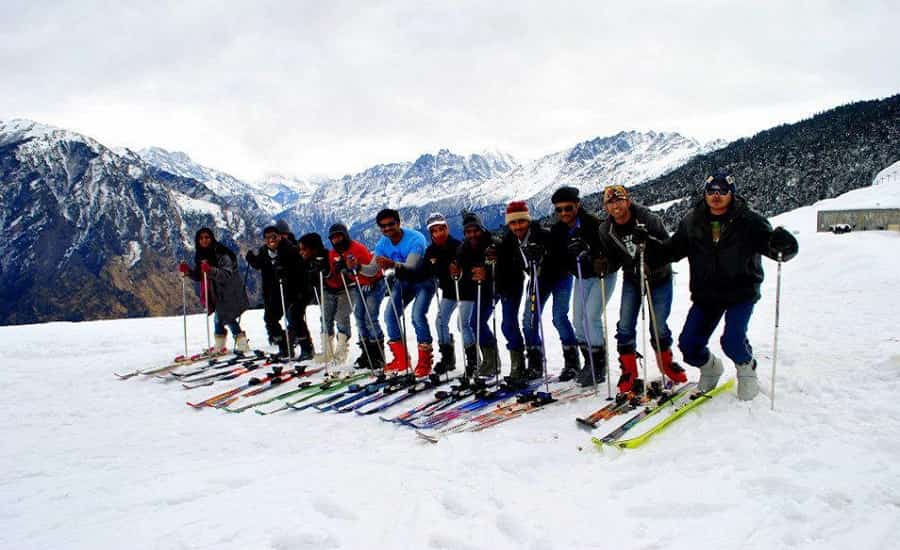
column 517, row 210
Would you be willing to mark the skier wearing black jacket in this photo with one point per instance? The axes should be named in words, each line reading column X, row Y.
column 723, row 240
column 616, row 233
column 438, row 257
column 279, row 264
column 579, row 232
column 526, row 243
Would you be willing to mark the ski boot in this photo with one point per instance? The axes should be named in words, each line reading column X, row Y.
column 747, row 383
column 672, row 370
column 535, row 368
column 401, row 357
column 586, row 377
column 423, row 366
column 448, row 358
column 490, row 362
column 628, row 364
column 241, row 344
column 341, row 350
column 710, row 373
column 327, row 354
column 571, row 365
column 518, row 374
column 471, row 360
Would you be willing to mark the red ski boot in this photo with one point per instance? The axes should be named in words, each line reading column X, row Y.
column 671, row 369
column 423, row 368
column 628, row 363
column 401, row 358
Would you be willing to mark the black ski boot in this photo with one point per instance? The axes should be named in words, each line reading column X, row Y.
column 376, row 350
column 471, row 360
column 518, row 374
column 490, row 362
column 362, row 362
column 572, row 365
column 307, row 352
column 585, row 377
column 535, row 363
column 448, row 359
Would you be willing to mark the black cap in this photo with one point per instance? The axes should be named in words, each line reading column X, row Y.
column 565, row 194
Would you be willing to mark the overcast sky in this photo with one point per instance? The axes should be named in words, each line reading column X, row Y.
column 330, row 88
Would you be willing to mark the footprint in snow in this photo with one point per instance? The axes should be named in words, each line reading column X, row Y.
column 333, row 509
column 304, row 540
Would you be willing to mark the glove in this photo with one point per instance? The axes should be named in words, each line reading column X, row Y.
column 250, row 256
column 340, row 266
column 454, row 270
column 490, row 254
column 782, row 242
column 205, row 267
column 577, row 247
column 640, row 235
column 534, row 252
column 184, row 268
column 318, row 265
column 601, row 265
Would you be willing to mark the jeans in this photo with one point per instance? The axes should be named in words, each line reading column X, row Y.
column 630, row 308
column 337, row 311
column 483, row 333
column 702, row 321
column 587, row 314
column 467, row 314
column 219, row 326
column 562, row 295
column 510, row 303
column 373, row 295
column 404, row 292
column 445, row 309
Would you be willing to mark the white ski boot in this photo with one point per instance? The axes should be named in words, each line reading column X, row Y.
column 327, row 354
column 241, row 344
column 710, row 373
column 747, row 383
column 342, row 348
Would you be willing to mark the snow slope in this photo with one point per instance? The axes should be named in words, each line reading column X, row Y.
column 92, row 462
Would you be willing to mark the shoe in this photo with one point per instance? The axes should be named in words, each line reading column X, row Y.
column 518, row 373
column 376, row 351
column 628, row 364
column 587, row 377
column 342, row 349
column 672, row 370
column 535, row 363
column 241, row 344
column 471, row 360
column 747, row 382
column 710, row 373
column 220, row 345
column 327, row 354
column 307, row 351
column 423, row 365
column 401, row 357
column 448, row 358
column 490, row 362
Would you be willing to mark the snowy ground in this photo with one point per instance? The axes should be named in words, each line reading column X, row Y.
column 92, row 462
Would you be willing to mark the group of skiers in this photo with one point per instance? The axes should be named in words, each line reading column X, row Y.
column 721, row 236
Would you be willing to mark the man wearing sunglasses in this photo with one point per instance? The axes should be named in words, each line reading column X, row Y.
column 579, row 233
column 617, row 233
column 403, row 250
column 723, row 240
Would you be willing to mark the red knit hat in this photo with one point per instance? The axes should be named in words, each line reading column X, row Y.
column 517, row 210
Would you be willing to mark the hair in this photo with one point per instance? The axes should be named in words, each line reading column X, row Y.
column 312, row 240
column 270, row 229
column 387, row 213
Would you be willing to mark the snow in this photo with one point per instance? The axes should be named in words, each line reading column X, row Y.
column 200, row 206
column 89, row 461
column 133, row 255
column 664, row 205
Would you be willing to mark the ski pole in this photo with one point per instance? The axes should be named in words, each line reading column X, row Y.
column 643, row 320
column 353, row 310
column 287, row 322
column 655, row 326
column 605, row 335
column 206, row 299
column 459, row 321
column 478, row 354
column 365, row 304
column 320, row 296
column 184, row 315
column 584, row 319
column 494, row 307
column 536, row 305
column 775, row 339
column 397, row 315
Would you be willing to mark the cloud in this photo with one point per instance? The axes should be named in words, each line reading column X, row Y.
column 309, row 87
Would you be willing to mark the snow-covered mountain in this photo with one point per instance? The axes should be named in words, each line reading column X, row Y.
column 86, row 232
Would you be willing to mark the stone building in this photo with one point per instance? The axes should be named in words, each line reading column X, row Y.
column 863, row 219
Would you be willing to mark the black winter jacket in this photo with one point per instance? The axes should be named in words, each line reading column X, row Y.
column 512, row 267
column 468, row 257
column 287, row 262
column 727, row 272
column 437, row 261
column 622, row 254
column 589, row 231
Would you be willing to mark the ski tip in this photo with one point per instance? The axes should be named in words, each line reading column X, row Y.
column 585, row 424
column 125, row 376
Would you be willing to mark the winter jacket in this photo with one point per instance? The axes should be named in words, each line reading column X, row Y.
column 228, row 295
column 622, row 253
column 728, row 271
column 362, row 255
column 286, row 262
column 437, row 260
column 512, row 268
column 468, row 256
column 589, row 231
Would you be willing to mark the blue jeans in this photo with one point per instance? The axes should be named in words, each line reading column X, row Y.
column 404, row 292
column 373, row 294
column 445, row 309
column 702, row 321
column 562, row 295
column 483, row 334
column 510, row 303
column 661, row 297
column 587, row 314
column 219, row 326
column 337, row 311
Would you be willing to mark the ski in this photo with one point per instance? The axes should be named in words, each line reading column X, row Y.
column 213, row 359
column 650, row 411
column 390, row 389
column 696, row 400
column 298, row 372
column 211, row 401
column 329, row 384
column 483, row 399
column 418, row 388
column 219, row 377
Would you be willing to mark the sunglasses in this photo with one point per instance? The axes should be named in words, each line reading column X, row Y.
column 566, row 208
column 272, row 237
column 387, row 224
column 717, row 191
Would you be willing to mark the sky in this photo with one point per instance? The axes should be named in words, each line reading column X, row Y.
column 330, row 88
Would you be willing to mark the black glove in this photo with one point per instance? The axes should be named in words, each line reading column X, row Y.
column 318, row 265
column 280, row 272
column 340, row 266
column 640, row 235
column 490, row 254
column 250, row 256
column 534, row 252
column 782, row 242
column 577, row 247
